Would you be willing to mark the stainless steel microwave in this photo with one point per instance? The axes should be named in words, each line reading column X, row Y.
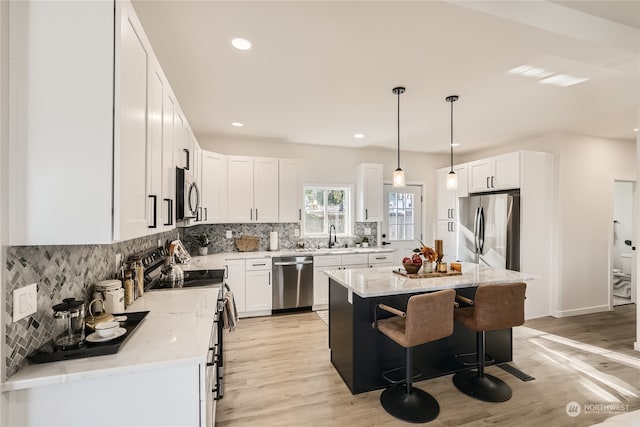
column 187, row 195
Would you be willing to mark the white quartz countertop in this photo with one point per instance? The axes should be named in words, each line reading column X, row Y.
column 381, row 281
column 176, row 331
column 217, row 261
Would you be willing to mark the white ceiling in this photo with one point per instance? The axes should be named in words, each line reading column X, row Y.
column 321, row 71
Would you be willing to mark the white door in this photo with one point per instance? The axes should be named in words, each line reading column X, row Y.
column 402, row 220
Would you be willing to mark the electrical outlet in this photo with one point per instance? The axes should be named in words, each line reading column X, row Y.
column 229, row 234
column 296, row 232
column 25, row 301
column 367, row 231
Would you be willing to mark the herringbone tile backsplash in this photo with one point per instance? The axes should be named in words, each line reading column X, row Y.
column 60, row 272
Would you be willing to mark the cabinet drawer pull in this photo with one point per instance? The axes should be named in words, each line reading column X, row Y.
column 492, row 186
column 488, row 182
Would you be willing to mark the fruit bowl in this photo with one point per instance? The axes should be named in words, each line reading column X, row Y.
column 411, row 268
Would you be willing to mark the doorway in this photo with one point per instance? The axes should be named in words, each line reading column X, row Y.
column 402, row 223
column 623, row 252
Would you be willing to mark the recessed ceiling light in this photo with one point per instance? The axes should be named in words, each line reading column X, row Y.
column 563, row 80
column 635, row 130
column 241, row 44
column 358, row 135
column 237, row 124
column 455, row 144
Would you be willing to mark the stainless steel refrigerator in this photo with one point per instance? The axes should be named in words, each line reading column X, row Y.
column 489, row 230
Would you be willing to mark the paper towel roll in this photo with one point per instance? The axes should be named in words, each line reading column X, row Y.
column 273, row 241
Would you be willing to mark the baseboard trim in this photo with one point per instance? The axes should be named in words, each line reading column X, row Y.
column 580, row 311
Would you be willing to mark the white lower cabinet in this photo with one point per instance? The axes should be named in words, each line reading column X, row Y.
column 258, row 286
column 322, row 263
column 381, row 260
column 235, row 279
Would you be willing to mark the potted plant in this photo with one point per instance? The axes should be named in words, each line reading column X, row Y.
column 203, row 243
column 365, row 242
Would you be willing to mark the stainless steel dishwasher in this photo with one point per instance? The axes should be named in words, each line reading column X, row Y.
column 292, row 282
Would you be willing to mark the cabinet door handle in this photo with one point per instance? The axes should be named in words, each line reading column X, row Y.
column 155, row 211
column 492, row 186
column 168, row 211
column 453, row 226
column 251, row 214
column 256, row 214
column 206, row 214
column 269, row 278
column 366, row 214
column 171, row 212
column 299, row 214
column 453, row 213
column 187, row 154
column 488, row 182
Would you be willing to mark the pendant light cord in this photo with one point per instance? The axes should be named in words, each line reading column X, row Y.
column 399, row 129
column 451, row 143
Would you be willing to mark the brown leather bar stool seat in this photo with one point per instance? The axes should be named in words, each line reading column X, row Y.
column 494, row 307
column 429, row 317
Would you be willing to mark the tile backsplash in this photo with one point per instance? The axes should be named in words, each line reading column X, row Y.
column 60, row 272
column 71, row 271
column 286, row 236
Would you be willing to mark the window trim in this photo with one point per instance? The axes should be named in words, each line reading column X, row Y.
column 350, row 226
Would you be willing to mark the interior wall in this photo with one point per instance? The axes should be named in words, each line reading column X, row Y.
column 336, row 165
column 585, row 168
column 4, row 144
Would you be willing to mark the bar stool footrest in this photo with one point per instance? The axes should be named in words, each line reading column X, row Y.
column 487, row 387
column 415, row 407
column 401, row 380
column 474, row 361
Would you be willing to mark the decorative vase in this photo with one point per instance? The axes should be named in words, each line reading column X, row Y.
column 365, row 244
column 203, row 251
column 427, row 267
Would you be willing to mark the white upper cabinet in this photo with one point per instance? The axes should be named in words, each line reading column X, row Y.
column 214, row 187
column 289, row 191
column 252, row 189
column 167, row 212
column 265, row 189
column 240, row 189
column 495, row 173
column 369, row 203
column 87, row 153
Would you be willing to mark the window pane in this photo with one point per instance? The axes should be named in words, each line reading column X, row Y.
column 336, row 200
column 401, row 216
column 314, row 212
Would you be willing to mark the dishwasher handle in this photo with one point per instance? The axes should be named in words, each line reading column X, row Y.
column 293, row 263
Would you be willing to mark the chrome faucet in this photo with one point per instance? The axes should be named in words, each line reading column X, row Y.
column 335, row 239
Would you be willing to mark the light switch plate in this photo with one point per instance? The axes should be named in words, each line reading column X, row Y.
column 229, row 234
column 25, row 301
column 367, row 231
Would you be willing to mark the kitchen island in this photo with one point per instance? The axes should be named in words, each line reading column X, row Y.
column 360, row 353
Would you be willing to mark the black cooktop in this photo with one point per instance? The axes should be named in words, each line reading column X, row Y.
column 192, row 279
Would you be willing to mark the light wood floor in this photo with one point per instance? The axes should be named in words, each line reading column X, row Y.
column 278, row 373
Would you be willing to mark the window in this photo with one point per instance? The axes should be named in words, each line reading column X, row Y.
column 401, row 216
column 326, row 206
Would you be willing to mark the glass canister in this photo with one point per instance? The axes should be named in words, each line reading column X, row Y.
column 128, row 288
column 68, row 319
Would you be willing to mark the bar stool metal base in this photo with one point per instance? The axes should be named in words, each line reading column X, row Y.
column 416, row 407
column 487, row 387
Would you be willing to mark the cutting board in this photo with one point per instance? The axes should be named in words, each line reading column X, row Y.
column 426, row 275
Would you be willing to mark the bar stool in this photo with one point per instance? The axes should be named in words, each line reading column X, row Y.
column 495, row 307
column 429, row 317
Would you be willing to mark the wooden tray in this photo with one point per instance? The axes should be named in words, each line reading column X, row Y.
column 426, row 275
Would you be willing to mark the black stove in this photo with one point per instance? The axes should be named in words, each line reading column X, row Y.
column 153, row 261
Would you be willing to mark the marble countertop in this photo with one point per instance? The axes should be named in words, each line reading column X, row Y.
column 381, row 281
column 217, row 261
column 176, row 331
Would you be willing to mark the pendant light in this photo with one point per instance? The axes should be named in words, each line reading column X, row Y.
column 398, row 174
column 452, row 177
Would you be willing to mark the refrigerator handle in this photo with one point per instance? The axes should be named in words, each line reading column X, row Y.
column 481, row 238
column 476, row 230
